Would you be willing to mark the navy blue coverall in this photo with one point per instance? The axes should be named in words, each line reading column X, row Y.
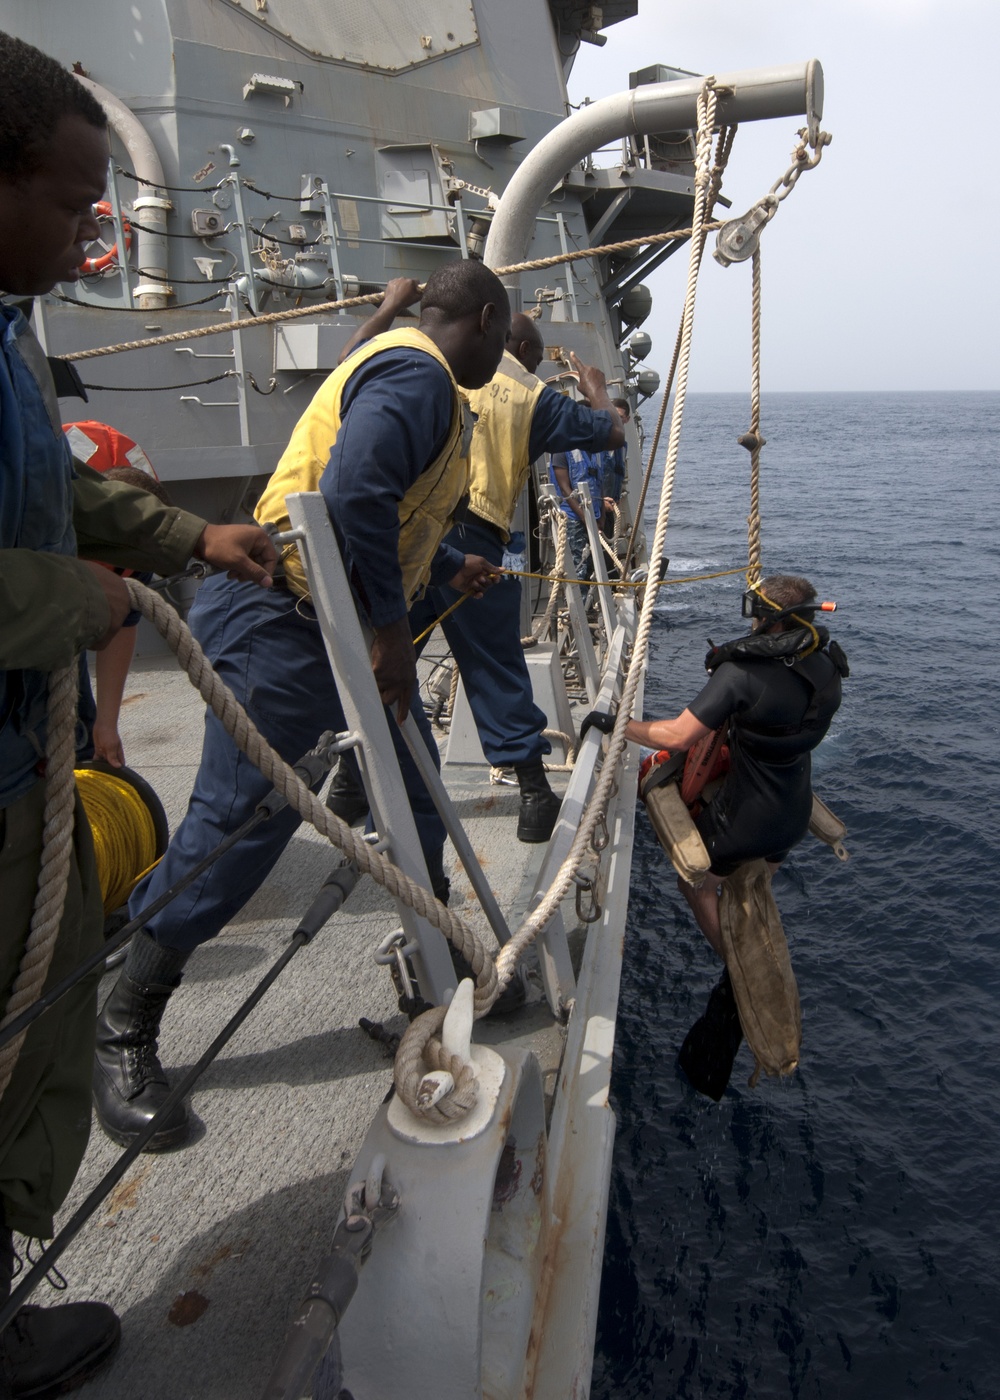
column 485, row 634
column 266, row 645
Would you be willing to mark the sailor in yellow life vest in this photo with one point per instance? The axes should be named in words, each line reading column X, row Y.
column 383, row 442
column 518, row 418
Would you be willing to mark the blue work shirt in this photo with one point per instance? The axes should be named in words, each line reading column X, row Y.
column 36, row 512
column 396, row 414
column 614, row 472
column 582, row 466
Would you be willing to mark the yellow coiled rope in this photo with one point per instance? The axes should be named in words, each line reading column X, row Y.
column 124, row 835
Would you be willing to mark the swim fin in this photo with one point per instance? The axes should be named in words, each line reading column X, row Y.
column 710, row 1046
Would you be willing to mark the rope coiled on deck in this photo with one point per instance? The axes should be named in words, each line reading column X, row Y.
column 123, row 831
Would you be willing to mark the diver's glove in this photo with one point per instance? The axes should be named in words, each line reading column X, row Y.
column 604, row 720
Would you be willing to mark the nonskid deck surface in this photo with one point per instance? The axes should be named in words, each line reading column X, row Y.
column 206, row 1251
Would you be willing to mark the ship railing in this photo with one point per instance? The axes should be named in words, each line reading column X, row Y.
column 263, row 260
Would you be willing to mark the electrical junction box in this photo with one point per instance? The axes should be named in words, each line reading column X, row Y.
column 496, row 124
column 657, row 73
column 412, row 183
column 317, row 345
column 206, row 222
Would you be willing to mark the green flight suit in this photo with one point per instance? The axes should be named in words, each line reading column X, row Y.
column 50, row 608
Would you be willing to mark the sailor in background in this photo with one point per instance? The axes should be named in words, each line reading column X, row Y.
column 385, row 441
column 615, row 466
column 53, row 162
column 777, row 690
column 566, row 471
column 518, row 418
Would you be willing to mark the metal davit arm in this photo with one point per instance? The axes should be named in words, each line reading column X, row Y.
column 151, row 204
column 790, row 90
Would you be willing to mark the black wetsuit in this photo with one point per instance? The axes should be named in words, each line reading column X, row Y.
column 779, row 708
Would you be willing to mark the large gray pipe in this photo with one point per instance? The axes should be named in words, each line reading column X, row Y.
column 793, row 90
column 151, row 203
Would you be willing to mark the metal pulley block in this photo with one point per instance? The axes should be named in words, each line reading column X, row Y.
column 738, row 239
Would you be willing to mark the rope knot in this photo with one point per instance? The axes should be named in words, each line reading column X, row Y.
column 423, row 1069
column 752, row 441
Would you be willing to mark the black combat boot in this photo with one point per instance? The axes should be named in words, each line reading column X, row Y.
column 539, row 804
column 347, row 798
column 129, row 1083
column 50, row 1351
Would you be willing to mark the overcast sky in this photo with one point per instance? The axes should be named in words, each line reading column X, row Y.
column 881, row 270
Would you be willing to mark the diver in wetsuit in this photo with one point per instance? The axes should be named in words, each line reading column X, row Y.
column 778, row 689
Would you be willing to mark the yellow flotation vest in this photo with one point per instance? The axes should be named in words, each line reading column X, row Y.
column 425, row 511
column 499, row 456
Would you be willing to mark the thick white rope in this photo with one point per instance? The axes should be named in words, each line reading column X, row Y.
column 723, row 150
column 326, row 308
column 57, row 849
column 753, row 439
column 536, row 921
column 561, row 568
column 285, row 780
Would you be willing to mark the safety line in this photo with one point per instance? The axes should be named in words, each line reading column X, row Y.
column 618, row 583
column 583, row 582
column 372, row 298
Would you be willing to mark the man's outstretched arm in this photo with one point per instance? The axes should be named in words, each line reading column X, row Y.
column 129, row 528
column 674, row 734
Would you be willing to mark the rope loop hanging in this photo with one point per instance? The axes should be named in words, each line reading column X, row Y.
column 753, row 440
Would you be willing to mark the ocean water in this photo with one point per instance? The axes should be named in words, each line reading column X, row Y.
column 837, row 1234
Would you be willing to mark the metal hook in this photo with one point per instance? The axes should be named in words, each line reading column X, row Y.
column 591, row 915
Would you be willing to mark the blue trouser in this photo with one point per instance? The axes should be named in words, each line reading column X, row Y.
column 271, row 655
column 484, row 635
column 579, row 544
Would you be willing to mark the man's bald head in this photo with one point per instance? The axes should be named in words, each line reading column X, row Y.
column 466, row 312
column 525, row 341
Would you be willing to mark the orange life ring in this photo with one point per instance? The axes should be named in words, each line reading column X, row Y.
column 90, row 266
column 707, row 759
column 102, row 447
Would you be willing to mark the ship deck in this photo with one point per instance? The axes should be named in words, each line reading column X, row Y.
column 207, row 1250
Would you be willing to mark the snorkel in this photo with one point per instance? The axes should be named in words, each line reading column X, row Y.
column 757, row 605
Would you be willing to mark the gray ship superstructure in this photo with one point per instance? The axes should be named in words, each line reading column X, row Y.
column 295, row 151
